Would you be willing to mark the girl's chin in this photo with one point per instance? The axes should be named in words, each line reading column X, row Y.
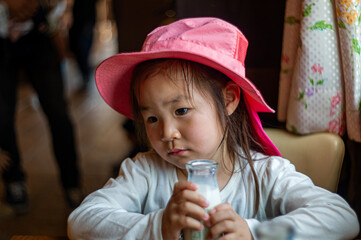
column 179, row 164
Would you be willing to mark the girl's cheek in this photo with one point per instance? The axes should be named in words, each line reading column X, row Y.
column 153, row 137
column 150, row 132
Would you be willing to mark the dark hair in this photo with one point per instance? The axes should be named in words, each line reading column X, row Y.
column 238, row 131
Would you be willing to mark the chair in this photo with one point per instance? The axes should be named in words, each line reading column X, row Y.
column 318, row 155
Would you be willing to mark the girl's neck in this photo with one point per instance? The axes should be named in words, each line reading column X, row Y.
column 224, row 174
column 225, row 168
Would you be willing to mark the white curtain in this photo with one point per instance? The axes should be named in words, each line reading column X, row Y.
column 320, row 80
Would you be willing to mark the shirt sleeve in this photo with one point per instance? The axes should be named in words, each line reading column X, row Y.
column 115, row 211
column 292, row 199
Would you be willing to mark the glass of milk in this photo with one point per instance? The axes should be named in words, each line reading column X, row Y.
column 203, row 173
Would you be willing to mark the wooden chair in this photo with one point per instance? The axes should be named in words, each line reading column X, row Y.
column 318, row 155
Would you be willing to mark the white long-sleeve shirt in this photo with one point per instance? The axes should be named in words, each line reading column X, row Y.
column 131, row 206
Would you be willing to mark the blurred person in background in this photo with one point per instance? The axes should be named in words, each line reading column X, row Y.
column 81, row 36
column 5, row 210
column 31, row 40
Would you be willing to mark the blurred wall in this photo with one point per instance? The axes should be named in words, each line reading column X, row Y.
column 136, row 18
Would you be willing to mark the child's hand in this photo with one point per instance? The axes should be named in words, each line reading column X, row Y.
column 184, row 209
column 223, row 219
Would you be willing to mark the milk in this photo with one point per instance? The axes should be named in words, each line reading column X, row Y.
column 211, row 193
column 213, row 196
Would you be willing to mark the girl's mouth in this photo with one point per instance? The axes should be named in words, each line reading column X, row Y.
column 176, row 152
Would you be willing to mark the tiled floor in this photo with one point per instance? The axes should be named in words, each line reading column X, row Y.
column 101, row 144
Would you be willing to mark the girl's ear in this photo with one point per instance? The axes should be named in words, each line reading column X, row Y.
column 231, row 95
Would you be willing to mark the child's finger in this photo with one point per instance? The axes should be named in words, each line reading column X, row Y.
column 189, row 222
column 180, row 186
column 186, row 191
column 191, row 196
column 192, row 210
column 222, row 207
column 191, row 204
column 220, row 213
column 184, row 214
column 220, row 216
column 183, row 217
column 223, row 219
column 226, row 226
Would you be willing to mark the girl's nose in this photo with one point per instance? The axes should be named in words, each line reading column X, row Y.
column 170, row 132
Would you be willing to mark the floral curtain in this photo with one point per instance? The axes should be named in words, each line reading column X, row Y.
column 320, row 80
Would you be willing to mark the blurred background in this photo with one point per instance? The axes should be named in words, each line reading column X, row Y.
column 101, row 138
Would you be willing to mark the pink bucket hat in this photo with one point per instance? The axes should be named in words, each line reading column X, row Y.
column 209, row 41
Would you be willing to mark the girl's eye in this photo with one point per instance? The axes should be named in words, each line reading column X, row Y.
column 151, row 119
column 181, row 111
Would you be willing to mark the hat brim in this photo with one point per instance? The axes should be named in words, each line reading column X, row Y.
column 114, row 74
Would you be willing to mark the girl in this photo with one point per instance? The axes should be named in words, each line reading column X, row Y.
column 188, row 92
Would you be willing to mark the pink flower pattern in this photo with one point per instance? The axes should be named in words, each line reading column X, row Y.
column 337, row 120
column 337, row 124
column 334, row 125
column 285, row 58
column 315, row 81
column 335, row 100
column 317, row 68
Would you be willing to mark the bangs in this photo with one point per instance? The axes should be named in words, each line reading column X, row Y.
column 203, row 78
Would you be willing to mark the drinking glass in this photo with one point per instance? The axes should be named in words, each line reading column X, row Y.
column 203, row 173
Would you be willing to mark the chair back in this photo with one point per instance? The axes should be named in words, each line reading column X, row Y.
column 317, row 155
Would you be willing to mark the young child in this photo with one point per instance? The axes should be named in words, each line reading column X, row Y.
column 187, row 91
